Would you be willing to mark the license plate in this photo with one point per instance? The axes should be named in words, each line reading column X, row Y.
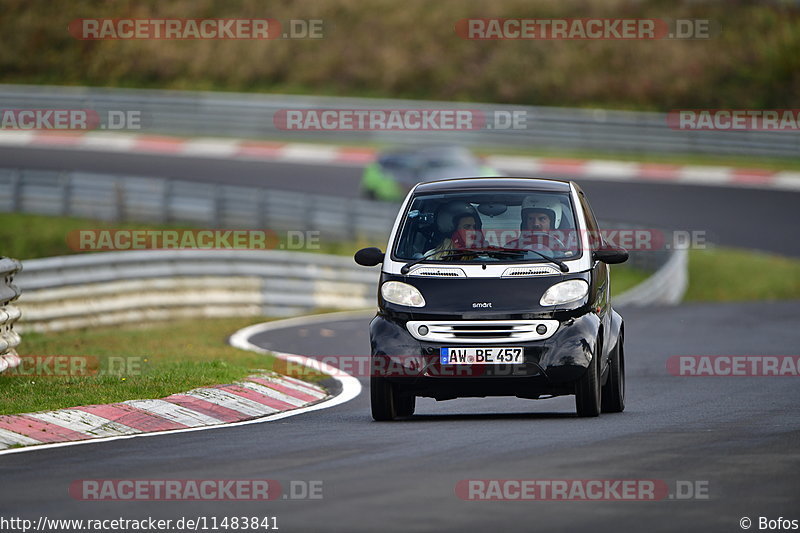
column 486, row 355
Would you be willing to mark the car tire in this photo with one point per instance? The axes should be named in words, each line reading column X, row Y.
column 386, row 401
column 406, row 404
column 613, row 394
column 587, row 388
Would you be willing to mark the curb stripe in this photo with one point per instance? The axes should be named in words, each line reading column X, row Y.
column 159, row 144
column 294, row 393
column 265, row 150
column 353, row 155
column 244, row 392
column 299, row 385
column 132, row 417
column 10, row 438
column 267, row 391
column 205, row 407
column 41, row 431
column 84, row 422
column 175, row 413
column 223, row 398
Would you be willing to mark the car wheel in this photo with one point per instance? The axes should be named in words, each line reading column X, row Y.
column 613, row 396
column 387, row 404
column 406, row 405
column 587, row 389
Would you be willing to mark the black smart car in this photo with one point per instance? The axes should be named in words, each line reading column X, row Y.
column 495, row 287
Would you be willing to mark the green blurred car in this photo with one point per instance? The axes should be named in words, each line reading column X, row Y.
column 394, row 172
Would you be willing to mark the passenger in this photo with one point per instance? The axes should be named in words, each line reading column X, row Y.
column 461, row 230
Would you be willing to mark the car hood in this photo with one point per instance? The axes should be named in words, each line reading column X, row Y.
column 482, row 298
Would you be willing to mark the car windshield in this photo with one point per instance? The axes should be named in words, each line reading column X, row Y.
column 510, row 226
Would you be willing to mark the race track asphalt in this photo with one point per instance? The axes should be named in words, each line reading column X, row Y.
column 737, row 436
column 733, row 216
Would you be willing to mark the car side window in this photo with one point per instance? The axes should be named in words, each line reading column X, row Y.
column 591, row 221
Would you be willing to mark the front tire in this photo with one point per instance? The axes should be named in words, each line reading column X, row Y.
column 387, row 402
column 587, row 389
column 613, row 395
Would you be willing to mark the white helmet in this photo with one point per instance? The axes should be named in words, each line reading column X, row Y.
column 543, row 202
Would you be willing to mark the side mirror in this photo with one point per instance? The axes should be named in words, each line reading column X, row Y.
column 369, row 257
column 611, row 256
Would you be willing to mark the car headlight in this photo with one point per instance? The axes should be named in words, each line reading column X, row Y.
column 401, row 293
column 566, row 291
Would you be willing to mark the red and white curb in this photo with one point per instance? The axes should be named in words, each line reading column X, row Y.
column 260, row 398
column 200, row 147
column 257, row 396
column 580, row 169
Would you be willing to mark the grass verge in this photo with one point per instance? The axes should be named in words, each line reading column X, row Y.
column 729, row 274
column 135, row 362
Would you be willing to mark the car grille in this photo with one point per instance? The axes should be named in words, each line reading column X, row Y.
column 481, row 331
column 438, row 272
column 517, row 272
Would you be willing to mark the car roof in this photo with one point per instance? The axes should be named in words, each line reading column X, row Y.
column 492, row 183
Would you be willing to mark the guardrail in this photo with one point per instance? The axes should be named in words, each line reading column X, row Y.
column 251, row 115
column 666, row 286
column 131, row 198
column 155, row 285
column 9, row 314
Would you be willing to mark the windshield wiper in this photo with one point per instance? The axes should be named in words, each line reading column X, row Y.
column 561, row 265
column 451, row 252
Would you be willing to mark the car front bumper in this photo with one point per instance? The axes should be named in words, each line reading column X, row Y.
column 550, row 366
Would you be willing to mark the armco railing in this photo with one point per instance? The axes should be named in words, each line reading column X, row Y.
column 158, row 285
column 251, row 115
column 149, row 286
column 130, row 198
column 9, row 314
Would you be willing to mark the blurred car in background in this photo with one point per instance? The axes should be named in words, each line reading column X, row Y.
column 396, row 171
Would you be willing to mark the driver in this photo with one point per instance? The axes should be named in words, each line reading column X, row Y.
column 540, row 216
